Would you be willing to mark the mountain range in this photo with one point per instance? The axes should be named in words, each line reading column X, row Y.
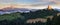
column 9, row 10
column 12, row 10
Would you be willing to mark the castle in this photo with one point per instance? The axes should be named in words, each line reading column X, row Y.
column 49, row 7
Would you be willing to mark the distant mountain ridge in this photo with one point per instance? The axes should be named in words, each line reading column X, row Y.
column 12, row 10
column 9, row 10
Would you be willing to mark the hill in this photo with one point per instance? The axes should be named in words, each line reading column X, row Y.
column 40, row 13
column 20, row 18
column 36, row 14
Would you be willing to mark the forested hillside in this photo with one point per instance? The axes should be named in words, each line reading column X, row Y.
column 11, row 16
column 20, row 18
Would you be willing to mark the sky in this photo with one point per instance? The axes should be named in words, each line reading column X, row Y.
column 29, row 3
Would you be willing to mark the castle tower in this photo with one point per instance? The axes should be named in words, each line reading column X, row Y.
column 49, row 7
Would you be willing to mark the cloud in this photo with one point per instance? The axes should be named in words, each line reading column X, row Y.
column 31, row 2
column 28, row 3
column 5, row 1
